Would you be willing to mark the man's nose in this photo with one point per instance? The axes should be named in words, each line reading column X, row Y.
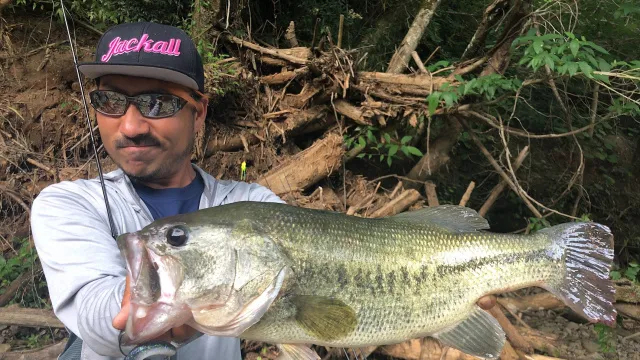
column 132, row 123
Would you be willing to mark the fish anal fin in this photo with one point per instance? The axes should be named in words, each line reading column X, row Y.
column 324, row 318
column 451, row 217
column 479, row 335
column 296, row 352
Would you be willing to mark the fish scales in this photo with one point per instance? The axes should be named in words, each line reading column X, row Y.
column 287, row 275
column 416, row 277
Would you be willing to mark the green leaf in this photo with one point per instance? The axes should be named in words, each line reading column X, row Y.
column 549, row 62
column 603, row 65
column 574, row 46
column 387, row 138
column 405, row 139
column 537, row 46
column 393, row 149
column 361, row 142
column 414, row 151
column 360, row 156
column 370, row 136
column 613, row 158
column 615, row 275
column 389, row 161
column 598, row 48
column 448, row 99
column 433, row 103
column 586, row 68
column 573, row 68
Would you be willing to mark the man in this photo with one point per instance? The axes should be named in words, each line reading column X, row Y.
column 149, row 105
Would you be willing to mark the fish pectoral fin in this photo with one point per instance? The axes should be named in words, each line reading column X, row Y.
column 480, row 335
column 324, row 318
column 454, row 218
column 296, row 352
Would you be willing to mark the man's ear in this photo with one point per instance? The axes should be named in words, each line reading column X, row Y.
column 201, row 114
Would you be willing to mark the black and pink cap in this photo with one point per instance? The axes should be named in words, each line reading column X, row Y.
column 148, row 50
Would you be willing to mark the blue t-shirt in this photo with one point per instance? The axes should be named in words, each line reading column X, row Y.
column 172, row 201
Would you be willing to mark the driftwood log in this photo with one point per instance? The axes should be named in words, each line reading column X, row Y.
column 29, row 317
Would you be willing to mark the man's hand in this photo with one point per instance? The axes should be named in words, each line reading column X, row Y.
column 178, row 334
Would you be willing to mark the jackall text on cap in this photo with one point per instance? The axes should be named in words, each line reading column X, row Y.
column 150, row 50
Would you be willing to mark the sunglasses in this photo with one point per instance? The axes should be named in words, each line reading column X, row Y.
column 153, row 106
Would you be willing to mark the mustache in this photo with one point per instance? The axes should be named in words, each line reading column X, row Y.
column 139, row 140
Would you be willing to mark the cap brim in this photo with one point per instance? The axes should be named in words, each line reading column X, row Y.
column 93, row 71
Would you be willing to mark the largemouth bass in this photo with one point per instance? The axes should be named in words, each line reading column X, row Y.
column 293, row 276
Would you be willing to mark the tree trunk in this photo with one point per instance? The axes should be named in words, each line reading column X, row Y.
column 402, row 55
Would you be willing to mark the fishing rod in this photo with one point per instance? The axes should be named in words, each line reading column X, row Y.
column 91, row 135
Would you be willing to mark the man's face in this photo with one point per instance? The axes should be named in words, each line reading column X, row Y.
column 148, row 149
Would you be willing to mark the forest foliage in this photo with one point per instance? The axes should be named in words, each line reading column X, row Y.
column 570, row 90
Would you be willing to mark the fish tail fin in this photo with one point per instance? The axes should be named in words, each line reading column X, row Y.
column 587, row 252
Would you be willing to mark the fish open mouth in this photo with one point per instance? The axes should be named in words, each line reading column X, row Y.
column 152, row 310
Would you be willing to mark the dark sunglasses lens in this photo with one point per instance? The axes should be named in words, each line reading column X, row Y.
column 109, row 102
column 158, row 105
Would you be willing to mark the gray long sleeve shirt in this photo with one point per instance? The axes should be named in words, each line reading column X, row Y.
column 82, row 264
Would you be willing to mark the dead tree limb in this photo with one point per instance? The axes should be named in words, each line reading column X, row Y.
column 320, row 160
column 519, row 191
column 354, row 113
column 44, row 353
column 298, row 122
column 467, row 194
column 13, row 288
column 511, row 332
column 398, row 205
column 497, row 190
column 29, row 317
column 492, row 14
column 436, row 156
column 401, row 57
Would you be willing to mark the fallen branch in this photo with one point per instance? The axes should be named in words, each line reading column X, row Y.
column 356, row 114
column 511, row 332
column 320, row 160
column 630, row 310
column 284, row 77
column 401, row 57
column 497, row 190
column 297, row 123
column 11, row 290
column 467, row 194
column 627, row 291
column 283, row 54
column 497, row 167
column 420, row 80
column 44, row 353
column 29, row 317
column 432, row 195
column 489, row 18
column 437, row 155
column 398, row 205
column 540, row 341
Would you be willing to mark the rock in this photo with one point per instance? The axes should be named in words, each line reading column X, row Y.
column 4, row 348
column 590, row 346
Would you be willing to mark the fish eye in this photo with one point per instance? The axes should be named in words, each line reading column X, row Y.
column 177, row 235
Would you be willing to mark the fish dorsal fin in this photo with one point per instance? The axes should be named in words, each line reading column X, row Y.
column 296, row 352
column 452, row 217
column 324, row 318
column 479, row 335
